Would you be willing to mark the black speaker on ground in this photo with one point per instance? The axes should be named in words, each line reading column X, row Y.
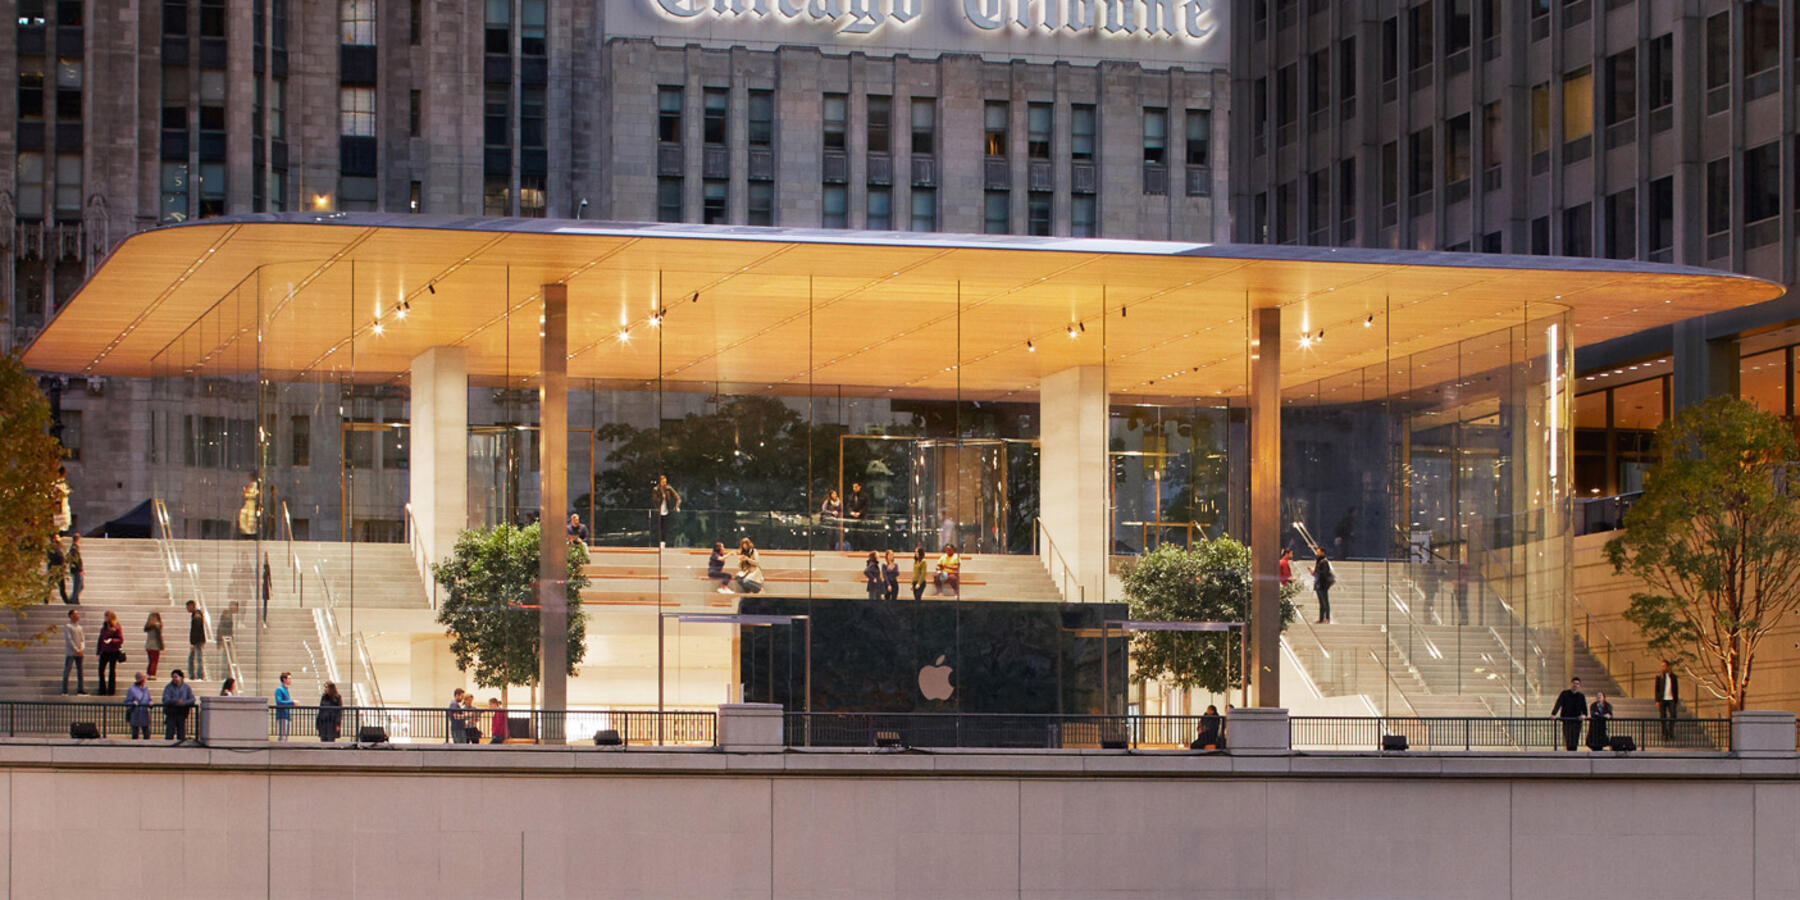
column 889, row 740
column 371, row 734
column 608, row 737
column 1622, row 744
column 1394, row 742
column 84, row 731
column 1114, row 743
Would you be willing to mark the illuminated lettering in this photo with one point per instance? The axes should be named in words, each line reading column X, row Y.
column 686, row 9
column 1195, row 10
column 986, row 15
column 1185, row 20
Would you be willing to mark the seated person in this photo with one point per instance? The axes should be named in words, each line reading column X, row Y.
column 746, row 549
column 715, row 567
column 578, row 533
column 749, row 576
column 1209, row 738
column 831, row 508
column 949, row 568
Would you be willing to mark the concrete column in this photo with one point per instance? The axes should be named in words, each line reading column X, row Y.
column 1265, row 507
column 1072, row 478
column 1703, row 368
column 1762, row 732
column 1257, row 730
column 236, row 721
column 750, row 727
column 439, row 464
column 553, row 486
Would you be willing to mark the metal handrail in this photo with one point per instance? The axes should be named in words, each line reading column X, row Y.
column 361, row 648
column 325, row 645
column 229, row 652
column 415, row 542
column 1040, row 530
column 1389, row 675
column 1500, row 733
column 287, row 528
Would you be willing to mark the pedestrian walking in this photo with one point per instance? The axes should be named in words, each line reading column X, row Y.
column 56, row 569
column 177, row 700
column 111, row 647
column 73, row 565
column 453, row 719
column 919, row 572
column 1571, row 707
column 1668, row 697
column 268, row 588
column 331, row 713
column 196, row 641
column 872, row 576
column 73, row 639
column 227, row 625
column 137, row 708
column 890, row 577
column 153, row 641
column 1323, row 579
column 665, row 502
column 284, row 707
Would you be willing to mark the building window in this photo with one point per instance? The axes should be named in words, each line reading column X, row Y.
column 1457, row 142
column 1347, row 198
column 415, row 32
column 996, row 212
column 497, row 35
column 881, row 122
column 278, row 189
column 1390, row 50
column 1081, row 132
column 761, row 195
column 174, row 190
column 1578, row 230
column 1621, row 87
column 1761, row 28
column 993, row 118
column 1199, row 137
column 1318, row 87
column 1347, row 69
column 1659, row 80
column 212, row 189
column 533, row 28
column 1621, row 225
column 212, row 18
column 531, row 117
column 1419, row 147
column 713, row 205
column 175, row 18
column 1037, row 213
column 1718, row 50
column 1457, row 28
column 714, row 105
column 1156, row 136
column 924, row 135
column 881, row 209
column 1578, row 104
column 1318, row 205
column 356, row 193
column 31, row 88
column 668, row 199
column 1718, row 195
column 1038, row 122
column 1286, row 213
column 668, row 116
column 762, row 118
column 496, row 115
column 836, row 211
column 836, row 115
column 356, row 20
column 1540, row 118
column 31, row 176
column 278, row 109
column 356, row 111
column 415, row 196
column 300, row 441
column 68, row 187
column 1083, row 213
column 412, row 112
column 1420, row 25
column 1492, row 136
column 1762, row 182
column 1662, row 215
column 924, row 209
column 533, row 199
column 68, row 90
column 1540, row 236
column 1286, row 103
column 1390, row 176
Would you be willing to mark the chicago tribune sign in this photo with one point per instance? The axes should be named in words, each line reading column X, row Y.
column 1182, row 21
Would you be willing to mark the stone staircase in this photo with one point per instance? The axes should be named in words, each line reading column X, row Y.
column 130, row 578
column 675, row 578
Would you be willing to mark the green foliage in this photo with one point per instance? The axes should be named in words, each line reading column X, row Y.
column 1716, row 538
column 28, row 497
column 489, row 580
column 1209, row 583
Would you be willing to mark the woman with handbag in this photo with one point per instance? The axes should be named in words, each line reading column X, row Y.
column 331, row 713
column 153, row 642
column 112, row 652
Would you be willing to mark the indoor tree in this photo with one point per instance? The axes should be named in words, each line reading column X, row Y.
column 490, row 607
column 1716, row 540
column 1209, row 583
column 28, row 496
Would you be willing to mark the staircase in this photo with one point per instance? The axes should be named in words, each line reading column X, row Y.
column 675, row 578
column 130, row 578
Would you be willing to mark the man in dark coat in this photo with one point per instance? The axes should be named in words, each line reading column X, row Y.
column 1571, row 707
column 1668, row 694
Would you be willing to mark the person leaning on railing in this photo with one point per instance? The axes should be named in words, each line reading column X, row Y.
column 177, row 699
column 284, row 707
column 137, row 708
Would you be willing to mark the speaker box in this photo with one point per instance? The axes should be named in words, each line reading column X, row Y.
column 84, row 731
column 371, row 734
column 1113, row 743
column 889, row 740
column 608, row 737
column 1622, row 744
column 1394, row 742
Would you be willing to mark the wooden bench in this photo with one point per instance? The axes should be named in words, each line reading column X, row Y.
column 625, row 598
column 593, row 571
column 774, row 575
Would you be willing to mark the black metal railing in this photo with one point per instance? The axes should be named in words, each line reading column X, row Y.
column 435, row 725
column 49, row 718
column 991, row 730
column 1498, row 733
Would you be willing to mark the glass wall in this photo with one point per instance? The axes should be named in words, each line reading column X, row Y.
column 848, row 419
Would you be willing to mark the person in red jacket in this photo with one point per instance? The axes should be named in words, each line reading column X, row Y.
column 112, row 649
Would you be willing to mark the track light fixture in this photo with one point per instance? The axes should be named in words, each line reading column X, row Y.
column 1082, row 326
column 376, row 328
column 1072, row 334
column 1122, row 312
column 1029, row 348
column 431, row 287
column 1370, row 321
column 624, row 336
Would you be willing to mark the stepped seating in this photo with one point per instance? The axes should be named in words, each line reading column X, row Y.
column 676, row 577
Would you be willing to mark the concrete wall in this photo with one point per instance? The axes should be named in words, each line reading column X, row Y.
column 1602, row 598
column 471, row 821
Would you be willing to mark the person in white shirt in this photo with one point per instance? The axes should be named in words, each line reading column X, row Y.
column 1668, row 696
column 73, row 639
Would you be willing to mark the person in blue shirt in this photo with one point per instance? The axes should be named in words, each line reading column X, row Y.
column 284, row 707
column 178, row 700
column 137, row 708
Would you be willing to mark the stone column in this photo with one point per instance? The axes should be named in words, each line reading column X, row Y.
column 1265, row 506
column 1072, row 479
column 553, row 487
column 439, row 463
column 1703, row 368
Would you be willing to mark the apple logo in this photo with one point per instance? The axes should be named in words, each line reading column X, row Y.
column 934, row 680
